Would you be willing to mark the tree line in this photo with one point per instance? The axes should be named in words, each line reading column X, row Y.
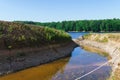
column 106, row 25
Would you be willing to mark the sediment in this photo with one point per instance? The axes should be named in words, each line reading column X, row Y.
column 109, row 43
column 19, row 59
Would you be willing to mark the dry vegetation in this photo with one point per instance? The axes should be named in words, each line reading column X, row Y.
column 103, row 38
column 19, row 35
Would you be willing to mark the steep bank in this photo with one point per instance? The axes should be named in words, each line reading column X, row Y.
column 24, row 46
column 28, row 57
column 109, row 43
column 42, row 72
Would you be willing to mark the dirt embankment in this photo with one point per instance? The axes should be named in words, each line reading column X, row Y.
column 18, row 59
column 109, row 43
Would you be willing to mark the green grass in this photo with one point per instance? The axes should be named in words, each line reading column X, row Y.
column 18, row 35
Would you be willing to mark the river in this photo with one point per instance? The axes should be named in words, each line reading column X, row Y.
column 79, row 63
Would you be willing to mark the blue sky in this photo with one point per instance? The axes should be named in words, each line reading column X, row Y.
column 58, row 10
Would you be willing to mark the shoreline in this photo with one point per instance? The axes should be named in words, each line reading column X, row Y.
column 30, row 57
column 111, row 47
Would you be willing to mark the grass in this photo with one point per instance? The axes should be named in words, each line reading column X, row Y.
column 19, row 35
column 86, row 36
column 103, row 38
column 96, row 37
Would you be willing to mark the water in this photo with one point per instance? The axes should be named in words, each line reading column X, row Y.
column 77, row 34
column 69, row 68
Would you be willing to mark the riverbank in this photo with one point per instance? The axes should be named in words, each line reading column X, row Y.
column 23, row 46
column 109, row 43
column 29, row 57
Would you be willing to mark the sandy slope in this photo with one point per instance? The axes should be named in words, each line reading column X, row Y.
column 109, row 43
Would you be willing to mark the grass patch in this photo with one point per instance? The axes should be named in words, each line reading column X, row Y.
column 86, row 36
column 19, row 35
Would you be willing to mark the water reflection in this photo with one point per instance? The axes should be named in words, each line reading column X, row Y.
column 43, row 72
column 82, row 62
column 75, row 35
column 77, row 65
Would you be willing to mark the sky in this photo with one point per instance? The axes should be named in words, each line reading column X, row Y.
column 58, row 10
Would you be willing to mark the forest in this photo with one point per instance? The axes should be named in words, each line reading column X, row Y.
column 105, row 25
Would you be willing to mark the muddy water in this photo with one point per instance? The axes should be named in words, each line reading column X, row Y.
column 70, row 68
